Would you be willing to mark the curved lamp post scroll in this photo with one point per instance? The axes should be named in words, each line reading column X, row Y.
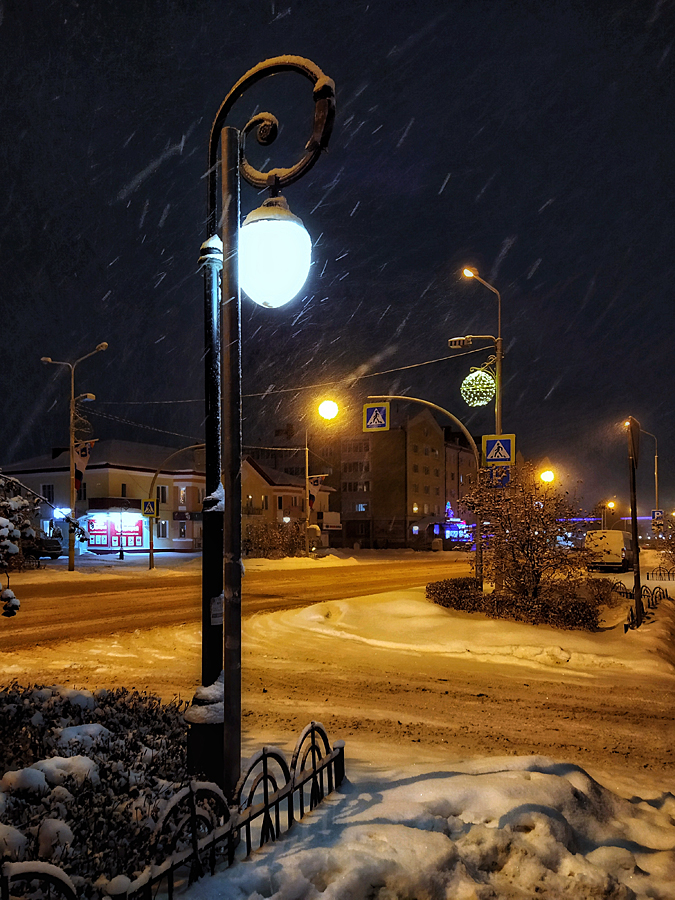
column 220, row 259
column 476, row 455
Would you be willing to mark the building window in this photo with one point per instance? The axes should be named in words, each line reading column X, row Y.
column 182, row 494
column 47, row 491
column 265, row 501
column 416, row 488
column 426, row 488
column 162, row 528
column 182, row 529
column 416, row 449
column 452, row 476
column 416, row 468
column 437, row 491
column 280, row 502
column 123, row 490
column 415, row 508
column 437, row 473
column 426, row 470
column 426, row 509
column 161, row 494
column 426, row 451
column 361, row 507
column 82, row 493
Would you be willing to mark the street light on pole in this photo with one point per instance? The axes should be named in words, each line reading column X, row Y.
column 71, row 446
column 271, row 275
column 455, row 343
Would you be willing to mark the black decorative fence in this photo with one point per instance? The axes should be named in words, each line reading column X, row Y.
column 661, row 573
column 651, row 598
column 199, row 831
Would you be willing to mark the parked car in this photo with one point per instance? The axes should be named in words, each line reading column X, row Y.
column 42, row 547
column 611, row 551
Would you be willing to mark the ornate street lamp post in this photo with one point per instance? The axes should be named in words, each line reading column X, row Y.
column 250, row 258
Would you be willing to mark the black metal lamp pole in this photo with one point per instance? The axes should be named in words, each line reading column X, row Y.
column 221, row 555
column 633, row 454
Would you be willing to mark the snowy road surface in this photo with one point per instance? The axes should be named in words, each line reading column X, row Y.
column 106, row 596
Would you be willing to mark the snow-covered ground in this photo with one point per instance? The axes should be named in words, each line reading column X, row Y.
column 410, row 826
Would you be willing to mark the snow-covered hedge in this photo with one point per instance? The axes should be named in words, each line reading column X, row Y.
column 559, row 609
column 273, row 540
column 85, row 778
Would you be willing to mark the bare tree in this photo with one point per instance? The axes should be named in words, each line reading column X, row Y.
column 531, row 539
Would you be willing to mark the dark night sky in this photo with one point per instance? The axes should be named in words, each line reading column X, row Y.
column 533, row 140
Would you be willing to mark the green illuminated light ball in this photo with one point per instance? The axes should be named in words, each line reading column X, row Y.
column 478, row 388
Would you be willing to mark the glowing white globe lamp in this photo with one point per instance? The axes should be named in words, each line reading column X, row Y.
column 275, row 253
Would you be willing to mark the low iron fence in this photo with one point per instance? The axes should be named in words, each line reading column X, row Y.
column 198, row 830
column 661, row 573
column 650, row 598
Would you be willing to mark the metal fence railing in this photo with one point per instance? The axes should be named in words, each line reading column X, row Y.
column 200, row 832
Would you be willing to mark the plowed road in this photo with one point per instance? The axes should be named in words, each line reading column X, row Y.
column 92, row 607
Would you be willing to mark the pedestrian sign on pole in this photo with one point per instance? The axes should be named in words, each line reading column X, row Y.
column 376, row 417
column 499, row 449
column 149, row 508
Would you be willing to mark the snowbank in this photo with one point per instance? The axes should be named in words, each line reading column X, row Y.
column 506, row 827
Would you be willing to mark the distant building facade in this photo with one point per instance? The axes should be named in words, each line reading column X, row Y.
column 118, row 477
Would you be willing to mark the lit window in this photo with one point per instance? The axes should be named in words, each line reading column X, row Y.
column 182, row 493
column 182, row 529
column 415, row 529
column 361, row 507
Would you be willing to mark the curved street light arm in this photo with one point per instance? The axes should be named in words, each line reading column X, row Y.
column 266, row 126
column 472, row 444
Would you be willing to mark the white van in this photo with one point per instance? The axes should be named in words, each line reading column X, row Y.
column 611, row 551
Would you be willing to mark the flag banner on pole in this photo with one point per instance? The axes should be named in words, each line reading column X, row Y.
column 82, row 454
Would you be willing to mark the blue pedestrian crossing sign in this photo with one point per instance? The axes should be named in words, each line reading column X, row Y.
column 376, row 417
column 499, row 449
column 149, row 508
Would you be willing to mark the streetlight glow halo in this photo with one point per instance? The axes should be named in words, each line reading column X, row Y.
column 275, row 253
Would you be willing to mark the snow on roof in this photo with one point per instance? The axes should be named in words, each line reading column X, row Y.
column 116, row 454
column 281, row 479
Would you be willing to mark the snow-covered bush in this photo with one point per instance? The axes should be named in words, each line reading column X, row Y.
column 85, row 778
column 558, row 610
column 531, row 539
column 274, row 540
column 16, row 515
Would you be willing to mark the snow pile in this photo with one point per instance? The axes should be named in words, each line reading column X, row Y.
column 404, row 621
column 502, row 828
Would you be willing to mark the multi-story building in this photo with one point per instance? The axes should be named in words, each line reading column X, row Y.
column 392, row 486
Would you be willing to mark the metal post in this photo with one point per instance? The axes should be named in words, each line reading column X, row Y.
column 231, row 457
column 71, row 526
column 211, row 260
column 633, row 445
column 306, row 494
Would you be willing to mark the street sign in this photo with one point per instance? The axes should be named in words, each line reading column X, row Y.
column 657, row 521
column 499, row 449
column 498, row 476
column 149, row 508
column 376, row 417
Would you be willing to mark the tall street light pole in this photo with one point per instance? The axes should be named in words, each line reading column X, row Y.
column 73, row 400
column 259, row 258
column 656, row 468
column 470, row 272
